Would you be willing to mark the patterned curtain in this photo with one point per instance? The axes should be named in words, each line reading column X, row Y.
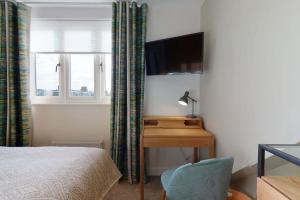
column 128, row 74
column 14, row 74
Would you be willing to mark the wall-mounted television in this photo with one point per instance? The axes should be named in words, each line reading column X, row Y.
column 178, row 55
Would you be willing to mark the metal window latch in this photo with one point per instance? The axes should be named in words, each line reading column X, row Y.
column 58, row 65
column 101, row 67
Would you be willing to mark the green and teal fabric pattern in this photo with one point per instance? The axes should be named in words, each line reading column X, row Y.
column 128, row 75
column 15, row 109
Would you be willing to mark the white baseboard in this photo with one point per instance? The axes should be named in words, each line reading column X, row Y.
column 157, row 171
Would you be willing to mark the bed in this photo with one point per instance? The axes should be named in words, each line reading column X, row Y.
column 55, row 173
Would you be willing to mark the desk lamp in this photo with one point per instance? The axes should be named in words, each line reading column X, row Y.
column 185, row 101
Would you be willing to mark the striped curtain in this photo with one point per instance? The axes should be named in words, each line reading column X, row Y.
column 14, row 74
column 128, row 75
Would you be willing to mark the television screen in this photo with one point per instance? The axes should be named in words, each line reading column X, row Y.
column 177, row 55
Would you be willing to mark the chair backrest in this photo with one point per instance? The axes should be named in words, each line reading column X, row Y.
column 205, row 180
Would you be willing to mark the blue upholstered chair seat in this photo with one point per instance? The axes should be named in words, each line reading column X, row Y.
column 206, row 180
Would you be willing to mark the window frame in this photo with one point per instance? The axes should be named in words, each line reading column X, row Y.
column 64, row 71
column 104, row 99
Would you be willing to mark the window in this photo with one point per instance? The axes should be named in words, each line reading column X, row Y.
column 47, row 79
column 82, row 74
column 71, row 78
column 70, row 61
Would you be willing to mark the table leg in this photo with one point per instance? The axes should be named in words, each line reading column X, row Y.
column 212, row 150
column 196, row 157
column 142, row 168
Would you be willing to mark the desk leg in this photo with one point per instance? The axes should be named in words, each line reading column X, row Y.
column 196, row 157
column 142, row 168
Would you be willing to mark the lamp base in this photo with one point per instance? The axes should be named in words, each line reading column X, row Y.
column 191, row 116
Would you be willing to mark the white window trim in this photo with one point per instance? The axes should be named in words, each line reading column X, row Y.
column 103, row 98
column 65, row 79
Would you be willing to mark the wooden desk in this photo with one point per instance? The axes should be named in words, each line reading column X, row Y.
column 173, row 132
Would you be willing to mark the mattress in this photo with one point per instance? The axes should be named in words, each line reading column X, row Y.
column 55, row 173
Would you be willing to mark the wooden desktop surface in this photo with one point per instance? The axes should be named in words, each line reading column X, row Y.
column 289, row 186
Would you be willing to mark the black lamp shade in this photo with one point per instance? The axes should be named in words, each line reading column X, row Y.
column 184, row 100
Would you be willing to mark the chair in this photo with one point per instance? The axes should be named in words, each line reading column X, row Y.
column 205, row 180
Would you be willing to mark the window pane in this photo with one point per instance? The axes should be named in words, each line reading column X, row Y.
column 107, row 74
column 47, row 79
column 82, row 75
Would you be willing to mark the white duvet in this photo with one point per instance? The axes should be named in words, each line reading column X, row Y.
column 55, row 173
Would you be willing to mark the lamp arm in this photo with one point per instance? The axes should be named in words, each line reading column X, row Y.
column 192, row 99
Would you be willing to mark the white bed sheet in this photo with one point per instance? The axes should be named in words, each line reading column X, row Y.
column 55, row 173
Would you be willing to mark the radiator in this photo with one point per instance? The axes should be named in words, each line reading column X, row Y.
column 78, row 143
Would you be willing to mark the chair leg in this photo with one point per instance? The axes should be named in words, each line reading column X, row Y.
column 163, row 195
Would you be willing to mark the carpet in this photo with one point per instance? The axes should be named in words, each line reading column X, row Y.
column 124, row 191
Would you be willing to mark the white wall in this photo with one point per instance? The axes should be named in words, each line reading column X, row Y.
column 162, row 94
column 250, row 88
column 74, row 124
column 170, row 18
